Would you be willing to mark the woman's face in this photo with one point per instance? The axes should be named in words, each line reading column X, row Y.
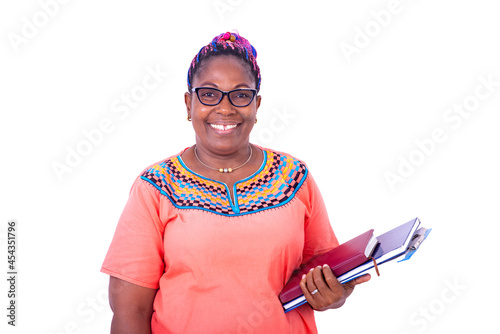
column 222, row 129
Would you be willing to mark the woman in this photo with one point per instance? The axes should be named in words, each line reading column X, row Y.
column 209, row 236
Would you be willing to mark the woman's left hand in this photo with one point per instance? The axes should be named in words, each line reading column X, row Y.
column 323, row 291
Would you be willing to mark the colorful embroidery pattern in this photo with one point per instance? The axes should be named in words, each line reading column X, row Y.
column 273, row 185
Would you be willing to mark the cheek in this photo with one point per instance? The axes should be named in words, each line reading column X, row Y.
column 200, row 111
column 253, row 113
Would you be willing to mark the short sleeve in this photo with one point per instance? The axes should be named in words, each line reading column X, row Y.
column 319, row 236
column 136, row 251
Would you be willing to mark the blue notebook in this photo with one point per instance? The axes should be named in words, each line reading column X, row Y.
column 398, row 243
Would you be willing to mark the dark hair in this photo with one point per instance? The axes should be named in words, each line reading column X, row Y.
column 227, row 44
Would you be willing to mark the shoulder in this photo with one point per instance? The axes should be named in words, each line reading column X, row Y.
column 168, row 165
column 292, row 170
column 159, row 173
column 267, row 149
column 284, row 171
column 158, row 165
column 284, row 161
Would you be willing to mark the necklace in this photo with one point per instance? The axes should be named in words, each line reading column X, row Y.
column 225, row 170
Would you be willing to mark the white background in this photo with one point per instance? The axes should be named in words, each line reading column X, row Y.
column 351, row 117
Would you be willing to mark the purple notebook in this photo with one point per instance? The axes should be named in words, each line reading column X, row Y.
column 392, row 244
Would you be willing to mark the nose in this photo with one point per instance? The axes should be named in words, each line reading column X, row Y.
column 225, row 107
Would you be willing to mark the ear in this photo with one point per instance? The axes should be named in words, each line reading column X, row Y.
column 187, row 101
column 257, row 105
column 259, row 98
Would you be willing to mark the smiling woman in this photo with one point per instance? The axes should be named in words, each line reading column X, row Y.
column 209, row 236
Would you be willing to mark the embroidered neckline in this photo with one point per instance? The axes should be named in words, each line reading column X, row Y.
column 274, row 184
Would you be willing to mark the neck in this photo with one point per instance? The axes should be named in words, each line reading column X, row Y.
column 223, row 162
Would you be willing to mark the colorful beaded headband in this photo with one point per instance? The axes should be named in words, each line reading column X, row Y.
column 228, row 43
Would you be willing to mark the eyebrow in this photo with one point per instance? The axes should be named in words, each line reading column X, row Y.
column 209, row 83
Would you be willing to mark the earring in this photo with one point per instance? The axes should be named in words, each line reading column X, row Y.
column 189, row 118
column 256, row 120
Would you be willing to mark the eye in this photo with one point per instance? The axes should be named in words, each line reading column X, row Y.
column 208, row 95
column 242, row 96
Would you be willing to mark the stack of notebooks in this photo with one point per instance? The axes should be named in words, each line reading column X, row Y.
column 356, row 256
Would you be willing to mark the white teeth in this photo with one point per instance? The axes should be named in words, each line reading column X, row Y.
column 223, row 127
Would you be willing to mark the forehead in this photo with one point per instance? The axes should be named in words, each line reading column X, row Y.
column 224, row 70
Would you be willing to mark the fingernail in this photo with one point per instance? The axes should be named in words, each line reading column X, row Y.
column 303, row 276
column 325, row 265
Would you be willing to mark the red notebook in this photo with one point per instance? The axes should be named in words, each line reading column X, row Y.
column 341, row 259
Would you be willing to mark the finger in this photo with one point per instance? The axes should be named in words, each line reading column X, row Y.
column 306, row 292
column 330, row 279
column 360, row 280
column 320, row 281
column 312, row 286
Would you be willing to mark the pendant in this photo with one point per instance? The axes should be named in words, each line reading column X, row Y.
column 225, row 170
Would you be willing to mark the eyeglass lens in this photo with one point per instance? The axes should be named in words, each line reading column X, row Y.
column 238, row 97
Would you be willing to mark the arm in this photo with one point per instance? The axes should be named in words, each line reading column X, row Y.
column 328, row 292
column 132, row 307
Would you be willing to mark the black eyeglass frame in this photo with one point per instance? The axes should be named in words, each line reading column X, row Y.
column 197, row 89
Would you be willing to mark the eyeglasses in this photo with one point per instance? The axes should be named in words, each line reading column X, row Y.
column 241, row 97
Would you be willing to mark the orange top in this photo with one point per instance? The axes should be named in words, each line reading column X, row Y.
column 220, row 263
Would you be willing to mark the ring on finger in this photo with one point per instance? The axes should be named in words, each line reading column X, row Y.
column 314, row 292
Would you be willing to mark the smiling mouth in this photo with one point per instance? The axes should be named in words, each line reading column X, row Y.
column 222, row 127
